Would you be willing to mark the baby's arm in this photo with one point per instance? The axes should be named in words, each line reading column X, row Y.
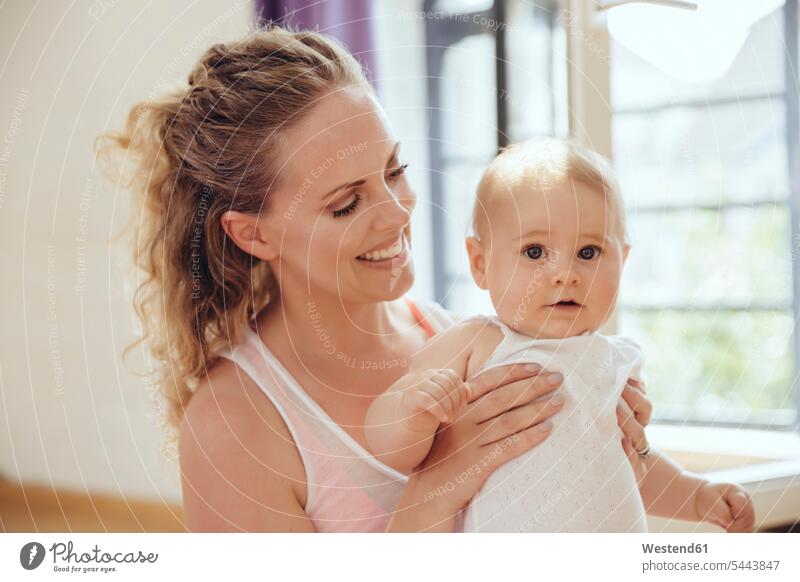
column 669, row 491
column 401, row 423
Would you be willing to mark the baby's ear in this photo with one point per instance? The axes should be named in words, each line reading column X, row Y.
column 477, row 261
column 626, row 248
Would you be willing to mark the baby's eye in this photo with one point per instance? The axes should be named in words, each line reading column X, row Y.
column 589, row 252
column 534, row 252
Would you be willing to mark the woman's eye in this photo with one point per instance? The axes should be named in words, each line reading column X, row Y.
column 534, row 252
column 588, row 253
column 395, row 174
column 349, row 208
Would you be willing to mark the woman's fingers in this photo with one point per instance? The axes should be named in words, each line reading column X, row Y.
column 630, row 426
column 513, row 395
column 487, row 380
column 638, row 384
column 519, row 419
column 639, row 469
column 638, row 402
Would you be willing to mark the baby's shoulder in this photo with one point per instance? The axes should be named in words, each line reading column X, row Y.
column 455, row 347
column 472, row 330
column 625, row 346
column 484, row 335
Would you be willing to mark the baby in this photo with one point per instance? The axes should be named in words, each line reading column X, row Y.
column 549, row 246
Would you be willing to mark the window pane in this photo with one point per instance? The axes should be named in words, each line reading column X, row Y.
column 737, row 256
column 536, row 69
column 466, row 298
column 715, row 365
column 468, row 98
column 460, row 186
column 704, row 155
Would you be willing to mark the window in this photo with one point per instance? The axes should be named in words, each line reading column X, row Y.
column 708, row 288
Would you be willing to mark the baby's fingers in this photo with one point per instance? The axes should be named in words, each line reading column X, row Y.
column 741, row 507
column 453, row 392
column 423, row 402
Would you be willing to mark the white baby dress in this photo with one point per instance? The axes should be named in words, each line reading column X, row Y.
column 579, row 479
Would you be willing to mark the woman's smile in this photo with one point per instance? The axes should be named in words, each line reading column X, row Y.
column 392, row 256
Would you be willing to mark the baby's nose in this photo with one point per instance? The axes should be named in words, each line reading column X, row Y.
column 566, row 276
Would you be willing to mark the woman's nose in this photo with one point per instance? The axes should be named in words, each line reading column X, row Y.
column 392, row 212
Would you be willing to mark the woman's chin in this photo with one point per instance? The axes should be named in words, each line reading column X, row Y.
column 389, row 284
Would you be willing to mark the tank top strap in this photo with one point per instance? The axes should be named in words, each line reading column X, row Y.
column 419, row 317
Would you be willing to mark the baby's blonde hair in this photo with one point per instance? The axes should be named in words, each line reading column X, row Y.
column 541, row 163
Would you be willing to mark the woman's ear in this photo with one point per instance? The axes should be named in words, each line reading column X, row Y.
column 245, row 230
column 477, row 261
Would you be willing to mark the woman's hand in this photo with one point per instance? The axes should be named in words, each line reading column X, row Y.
column 633, row 415
column 507, row 416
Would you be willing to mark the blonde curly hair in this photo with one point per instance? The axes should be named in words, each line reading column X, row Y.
column 197, row 153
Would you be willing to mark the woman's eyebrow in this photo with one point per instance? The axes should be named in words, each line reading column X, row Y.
column 393, row 155
column 342, row 187
column 360, row 182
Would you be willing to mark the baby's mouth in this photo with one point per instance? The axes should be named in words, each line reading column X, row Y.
column 566, row 303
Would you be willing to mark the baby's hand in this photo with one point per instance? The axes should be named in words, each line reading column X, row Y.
column 726, row 505
column 432, row 397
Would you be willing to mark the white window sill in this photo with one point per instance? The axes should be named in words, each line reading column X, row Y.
column 766, row 463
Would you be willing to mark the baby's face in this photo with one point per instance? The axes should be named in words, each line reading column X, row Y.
column 550, row 260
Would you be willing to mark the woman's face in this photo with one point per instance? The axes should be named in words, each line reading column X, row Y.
column 339, row 218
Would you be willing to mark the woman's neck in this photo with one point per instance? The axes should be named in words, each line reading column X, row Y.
column 320, row 326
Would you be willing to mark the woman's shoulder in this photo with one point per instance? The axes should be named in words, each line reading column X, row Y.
column 237, row 455
column 228, row 408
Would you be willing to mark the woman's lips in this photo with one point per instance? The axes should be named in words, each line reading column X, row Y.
column 400, row 260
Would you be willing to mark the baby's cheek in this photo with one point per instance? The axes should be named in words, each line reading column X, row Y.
column 516, row 303
column 602, row 300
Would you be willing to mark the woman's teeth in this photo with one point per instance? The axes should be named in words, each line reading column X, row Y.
column 384, row 254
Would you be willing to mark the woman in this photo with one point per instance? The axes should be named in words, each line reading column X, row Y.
column 275, row 236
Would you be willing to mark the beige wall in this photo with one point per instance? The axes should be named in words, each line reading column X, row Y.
column 71, row 413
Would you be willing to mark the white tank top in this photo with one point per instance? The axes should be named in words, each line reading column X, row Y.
column 349, row 490
column 579, row 479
